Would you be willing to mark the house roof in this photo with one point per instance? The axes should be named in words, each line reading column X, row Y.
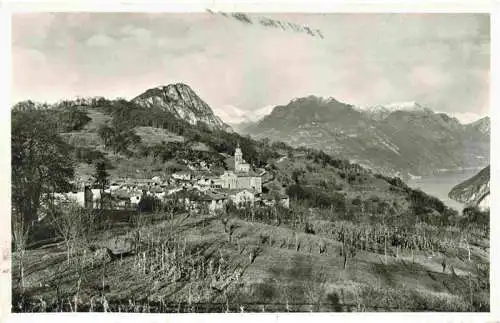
column 122, row 194
column 212, row 195
column 239, row 190
column 141, row 180
column 182, row 173
column 250, row 173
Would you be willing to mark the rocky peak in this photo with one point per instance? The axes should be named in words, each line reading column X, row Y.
column 180, row 100
column 314, row 99
column 308, row 110
column 474, row 190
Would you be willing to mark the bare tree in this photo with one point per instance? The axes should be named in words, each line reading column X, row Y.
column 348, row 250
column 20, row 233
column 322, row 247
column 71, row 221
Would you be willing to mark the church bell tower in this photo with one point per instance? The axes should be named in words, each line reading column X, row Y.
column 238, row 157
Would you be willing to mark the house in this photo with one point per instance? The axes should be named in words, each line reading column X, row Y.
column 270, row 200
column 96, row 197
column 241, row 197
column 203, row 165
column 135, row 198
column 78, row 197
column 127, row 186
column 204, row 182
column 216, row 183
column 82, row 198
column 121, row 198
column 155, row 190
column 182, row 176
column 229, row 180
column 174, row 190
column 201, row 188
column 160, row 195
column 249, row 180
column 285, row 201
column 214, row 200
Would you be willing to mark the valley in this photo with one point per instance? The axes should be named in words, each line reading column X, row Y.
column 439, row 185
column 313, row 233
column 185, row 160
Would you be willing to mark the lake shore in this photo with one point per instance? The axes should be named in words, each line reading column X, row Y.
column 440, row 185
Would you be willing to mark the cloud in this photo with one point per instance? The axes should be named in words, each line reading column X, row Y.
column 36, row 72
column 27, row 67
column 141, row 36
column 100, row 40
column 31, row 28
column 428, row 77
column 439, row 60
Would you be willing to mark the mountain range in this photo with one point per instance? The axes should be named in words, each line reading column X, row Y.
column 403, row 139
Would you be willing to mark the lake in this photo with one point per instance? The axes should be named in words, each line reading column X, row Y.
column 440, row 185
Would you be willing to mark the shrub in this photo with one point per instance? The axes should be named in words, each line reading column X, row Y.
column 149, row 203
column 473, row 214
column 309, row 228
column 87, row 155
column 357, row 201
column 72, row 119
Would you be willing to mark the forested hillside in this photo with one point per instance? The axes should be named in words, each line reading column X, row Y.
column 109, row 130
column 345, row 225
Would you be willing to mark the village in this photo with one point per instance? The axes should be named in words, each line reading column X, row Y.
column 241, row 186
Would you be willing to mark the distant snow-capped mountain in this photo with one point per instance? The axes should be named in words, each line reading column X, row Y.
column 234, row 115
column 381, row 111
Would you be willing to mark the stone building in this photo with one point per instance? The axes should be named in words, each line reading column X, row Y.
column 242, row 197
column 242, row 177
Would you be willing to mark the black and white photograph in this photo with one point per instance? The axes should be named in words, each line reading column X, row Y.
column 224, row 161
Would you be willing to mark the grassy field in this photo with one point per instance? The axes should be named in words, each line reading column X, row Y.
column 188, row 263
column 156, row 135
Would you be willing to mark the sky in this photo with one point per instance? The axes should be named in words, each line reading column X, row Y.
column 243, row 70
